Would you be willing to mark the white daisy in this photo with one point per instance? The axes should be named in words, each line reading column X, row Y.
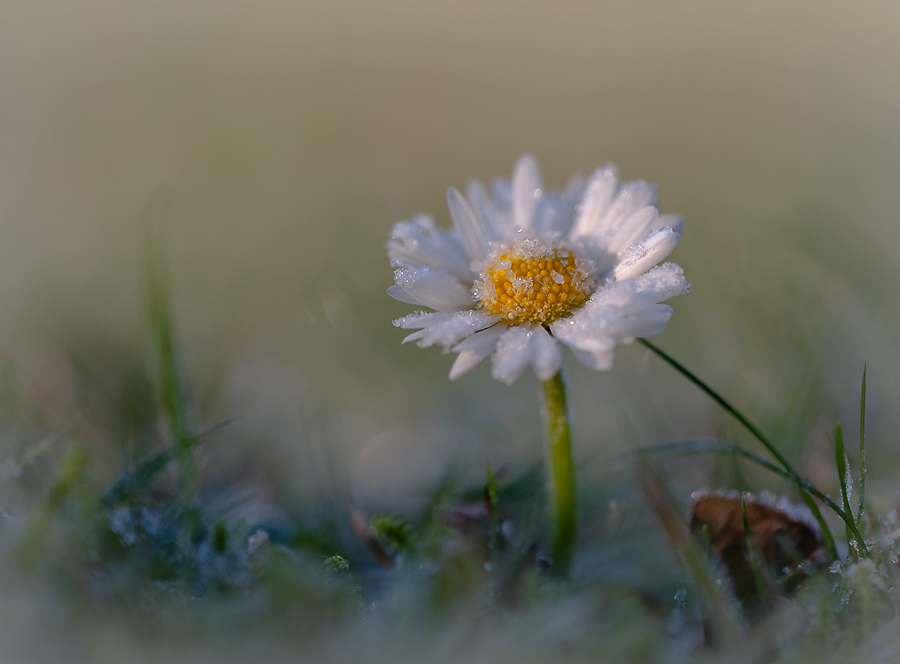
column 523, row 270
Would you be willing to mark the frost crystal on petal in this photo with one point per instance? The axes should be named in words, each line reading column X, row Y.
column 445, row 330
column 664, row 281
column 420, row 243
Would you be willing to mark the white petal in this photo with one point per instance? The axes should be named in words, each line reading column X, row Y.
column 473, row 235
column 502, row 198
column 545, row 215
column 399, row 294
column 527, row 191
column 556, row 213
column 634, row 195
column 582, row 331
column 664, row 281
column 596, row 201
column 570, row 200
column 513, row 354
column 631, row 197
column 648, row 322
column 595, row 361
column 419, row 242
column 484, row 339
column 466, row 361
column 634, row 229
column 413, row 337
column 496, row 224
column 445, row 329
column 651, row 321
column 474, row 349
column 434, row 290
column 615, row 314
column 673, row 221
column 638, row 260
column 546, row 354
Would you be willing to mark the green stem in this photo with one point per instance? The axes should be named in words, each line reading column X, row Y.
column 560, row 475
column 493, row 506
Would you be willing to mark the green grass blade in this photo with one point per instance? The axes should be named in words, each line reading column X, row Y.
column 731, row 410
column 147, row 469
column 827, row 537
column 717, row 603
column 843, row 468
column 803, row 486
column 861, row 506
column 752, row 559
column 172, row 388
column 707, row 543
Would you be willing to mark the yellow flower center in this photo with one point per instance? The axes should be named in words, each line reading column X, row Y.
column 534, row 281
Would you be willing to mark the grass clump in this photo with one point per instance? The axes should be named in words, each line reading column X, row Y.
column 148, row 554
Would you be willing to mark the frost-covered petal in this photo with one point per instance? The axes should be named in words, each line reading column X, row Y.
column 546, row 356
column 613, row 216
column 432, row 289
column 447, row 330
column 482, row 339
column 475, row 349
column 513, row 354
column 421, row 319
column 419, row 242
column 527, row 191
column 583, row 334
column 662, row 282
column 640, row 258
column 616, row 314
column 673, row 221
column 633, row 229
column 471, row 231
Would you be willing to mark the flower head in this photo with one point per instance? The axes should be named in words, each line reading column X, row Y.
column 524, row 269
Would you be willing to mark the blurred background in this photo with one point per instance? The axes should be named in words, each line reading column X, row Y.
column 286, row 138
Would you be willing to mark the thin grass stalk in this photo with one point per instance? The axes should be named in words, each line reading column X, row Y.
column 802, row 485
column 752, row 558
column 861, row 506
column 717, row 604
column 173, row 393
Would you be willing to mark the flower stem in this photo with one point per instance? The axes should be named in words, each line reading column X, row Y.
column 560, row 475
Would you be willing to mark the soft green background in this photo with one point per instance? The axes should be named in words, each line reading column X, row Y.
column 287, row 137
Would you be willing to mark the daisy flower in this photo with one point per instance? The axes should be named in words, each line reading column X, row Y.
column 524, row 270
